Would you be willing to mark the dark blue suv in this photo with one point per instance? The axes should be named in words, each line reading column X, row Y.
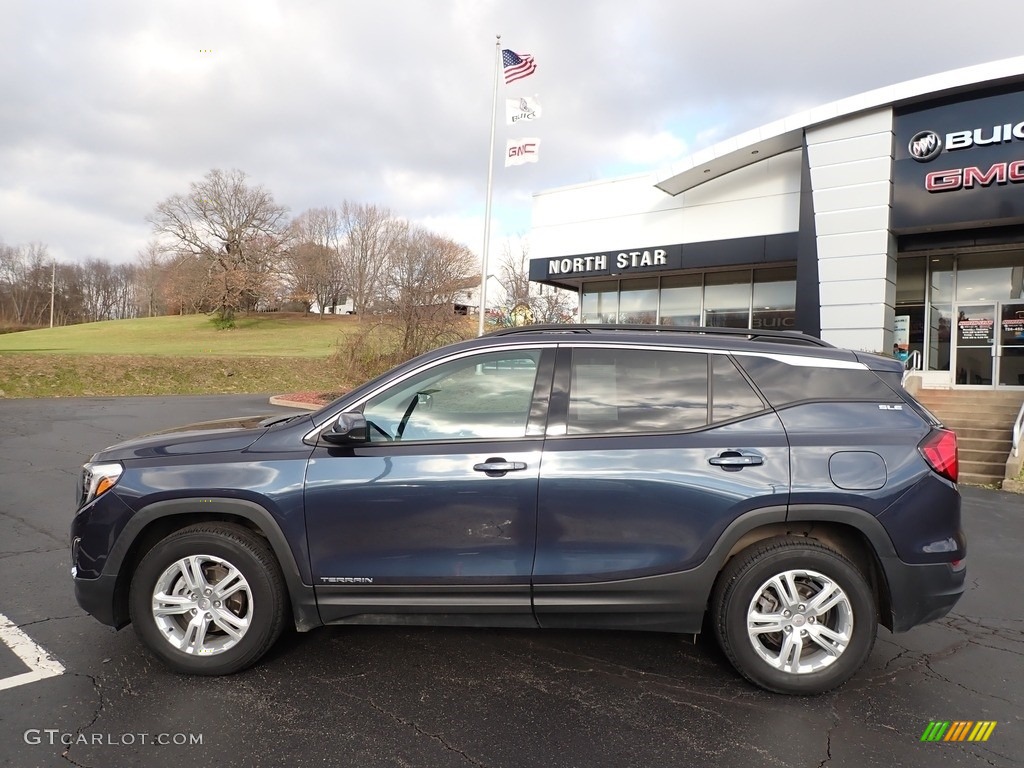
column 787, row 494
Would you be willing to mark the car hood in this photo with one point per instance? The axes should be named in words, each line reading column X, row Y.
column 204, row 437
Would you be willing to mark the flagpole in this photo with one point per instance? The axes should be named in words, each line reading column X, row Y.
column 490, row 180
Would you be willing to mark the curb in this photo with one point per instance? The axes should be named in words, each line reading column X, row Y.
column 294, row 404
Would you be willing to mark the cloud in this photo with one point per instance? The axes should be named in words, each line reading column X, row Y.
column 108, row 113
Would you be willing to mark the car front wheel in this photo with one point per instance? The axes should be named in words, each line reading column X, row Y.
column 208, row 599
column 794, row 616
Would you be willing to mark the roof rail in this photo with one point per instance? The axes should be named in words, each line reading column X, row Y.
column 755, row 334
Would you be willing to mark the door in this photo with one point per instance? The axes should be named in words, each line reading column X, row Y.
column 975, row 349
column 1011, row 344
column 990, row 344
column 436, row 514
column 651, row 454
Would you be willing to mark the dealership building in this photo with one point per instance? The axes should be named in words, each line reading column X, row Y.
column 892, row 222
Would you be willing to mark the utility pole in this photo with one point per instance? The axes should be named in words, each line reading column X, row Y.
column 53, row 283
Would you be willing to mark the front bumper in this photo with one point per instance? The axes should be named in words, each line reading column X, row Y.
column 96, row 597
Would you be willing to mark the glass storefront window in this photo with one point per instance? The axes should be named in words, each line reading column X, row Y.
column 774, row 300
column 911, row 282
column 727, row 299
column 680, row 300
column 989, row 277
column 600, row 302
column 940, row 314
column 638, row 302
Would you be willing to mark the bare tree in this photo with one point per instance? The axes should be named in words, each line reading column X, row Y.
column 426, row 274
column 527, row 302
column 313, row 261
column 25, row 273
column 234, row 229
column 368, row 236
column 149, row 276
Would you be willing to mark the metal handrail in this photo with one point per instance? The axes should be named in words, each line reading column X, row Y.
column 914, row 361
column 1018, row 430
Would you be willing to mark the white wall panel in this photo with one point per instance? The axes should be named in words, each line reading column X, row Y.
column 863, row 340
column 868, row 267
column 848, row 174
column 853, row 244
column 851, row 150
column 866, row 316
column 851, row 221
column 872, row 290
column 879, row 121
column 855, row 196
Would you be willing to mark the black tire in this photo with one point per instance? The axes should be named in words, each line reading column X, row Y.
column 804, row 560
column 261, row 604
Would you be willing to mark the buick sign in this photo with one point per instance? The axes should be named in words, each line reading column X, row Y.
column 925, row 146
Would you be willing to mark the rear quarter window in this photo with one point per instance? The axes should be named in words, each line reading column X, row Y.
column 782, row 383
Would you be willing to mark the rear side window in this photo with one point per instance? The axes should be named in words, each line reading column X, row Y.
column 636, row 390
column 782, row 383
column 732, row 397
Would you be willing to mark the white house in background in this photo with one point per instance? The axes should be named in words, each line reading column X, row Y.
column 347, row 308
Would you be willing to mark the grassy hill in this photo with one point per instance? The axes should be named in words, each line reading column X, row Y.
column 273, row 353
column 274, row 334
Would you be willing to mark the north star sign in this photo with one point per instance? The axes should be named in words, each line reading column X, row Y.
column 614, row 263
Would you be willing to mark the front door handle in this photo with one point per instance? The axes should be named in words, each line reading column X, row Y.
column 498, row 467
column 733, row 461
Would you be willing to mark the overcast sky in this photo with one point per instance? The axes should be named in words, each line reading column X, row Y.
column 110, row 106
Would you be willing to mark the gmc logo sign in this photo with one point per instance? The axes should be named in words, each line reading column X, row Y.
column 972, row 176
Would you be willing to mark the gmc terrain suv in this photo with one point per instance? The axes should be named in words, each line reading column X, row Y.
column 789, row 494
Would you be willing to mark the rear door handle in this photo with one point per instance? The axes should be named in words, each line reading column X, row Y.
column 732, row 461
column 494, row 467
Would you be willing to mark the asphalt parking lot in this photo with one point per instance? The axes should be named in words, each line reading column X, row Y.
column 74, row 692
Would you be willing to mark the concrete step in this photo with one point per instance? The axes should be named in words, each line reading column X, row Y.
column 982, row 472
column 981, row 410
column 983, row 456
column 968, row 478
column 980, row 433
column 965, row 422
column 984, row 444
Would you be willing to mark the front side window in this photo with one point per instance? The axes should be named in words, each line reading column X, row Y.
column 478, row 397
column 635, row 390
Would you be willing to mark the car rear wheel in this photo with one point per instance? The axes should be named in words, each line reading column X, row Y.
column 208, row 599
column 794, row 616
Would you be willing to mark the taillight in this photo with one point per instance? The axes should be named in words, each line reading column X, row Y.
column 939, row 450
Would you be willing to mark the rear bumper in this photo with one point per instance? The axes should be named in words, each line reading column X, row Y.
column 922, row 593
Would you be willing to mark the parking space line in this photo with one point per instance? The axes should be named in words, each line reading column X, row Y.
column 40, row 663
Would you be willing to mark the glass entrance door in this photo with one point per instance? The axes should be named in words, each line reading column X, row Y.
column 1010, row 360
column 989, row 347
column 975, row 344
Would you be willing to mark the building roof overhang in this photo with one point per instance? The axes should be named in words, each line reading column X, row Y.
column 787, row 134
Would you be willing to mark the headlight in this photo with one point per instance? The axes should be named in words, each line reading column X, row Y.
column 97, row 479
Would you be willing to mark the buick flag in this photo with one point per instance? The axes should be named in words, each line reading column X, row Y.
column 525, row 109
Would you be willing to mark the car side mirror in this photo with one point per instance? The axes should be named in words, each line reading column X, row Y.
column 348, row 429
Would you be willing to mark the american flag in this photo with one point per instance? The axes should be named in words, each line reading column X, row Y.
column 517, row 67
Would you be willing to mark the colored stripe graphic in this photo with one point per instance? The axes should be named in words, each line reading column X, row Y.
column 982, row 730
column 935, row 731
column 958, row 730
